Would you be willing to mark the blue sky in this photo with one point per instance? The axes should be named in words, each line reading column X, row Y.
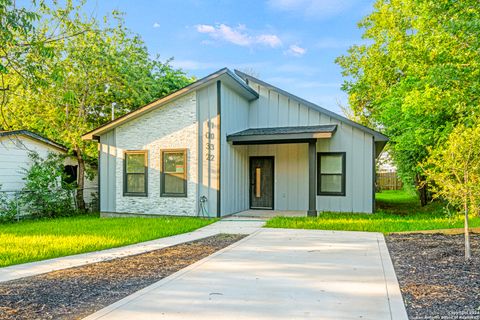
column 291, row 44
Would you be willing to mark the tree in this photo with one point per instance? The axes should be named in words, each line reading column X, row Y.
column 102, row 69
column 416, row 77
column 455, row 173
column 24, row 47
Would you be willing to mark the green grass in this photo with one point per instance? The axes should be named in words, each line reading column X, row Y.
column 397, row 211
column 43, row 239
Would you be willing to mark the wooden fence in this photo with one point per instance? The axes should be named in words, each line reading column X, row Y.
column 388, row 181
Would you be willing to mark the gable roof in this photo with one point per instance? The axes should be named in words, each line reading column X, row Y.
column 224, row 75
column 239, row 82
column 33, row 136
column 378, row 136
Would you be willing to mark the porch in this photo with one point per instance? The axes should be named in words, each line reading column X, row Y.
column 281, row 163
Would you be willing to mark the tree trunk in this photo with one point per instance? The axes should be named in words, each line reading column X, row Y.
column 422, row 189
column 468, row 254
column 80, row 180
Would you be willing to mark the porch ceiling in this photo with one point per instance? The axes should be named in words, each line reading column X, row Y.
column 301, row 134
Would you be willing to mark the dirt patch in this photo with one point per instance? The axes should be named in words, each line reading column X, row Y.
column 436, row 282
column 77, row 292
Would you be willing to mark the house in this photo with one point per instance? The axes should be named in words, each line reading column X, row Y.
column 15, row 147
column 230, row 142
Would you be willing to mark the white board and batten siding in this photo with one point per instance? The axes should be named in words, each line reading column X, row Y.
column 208, row 148
column 107, row 155
column 234, row 159
column 274, row 109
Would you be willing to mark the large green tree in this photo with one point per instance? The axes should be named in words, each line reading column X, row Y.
column 417, row 75
column 103, row 69
column 24, row 47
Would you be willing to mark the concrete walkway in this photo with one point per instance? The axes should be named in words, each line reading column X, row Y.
column 277, row 274
column 233, row 225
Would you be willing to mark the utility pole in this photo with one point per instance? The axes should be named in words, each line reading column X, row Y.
column 113, row 110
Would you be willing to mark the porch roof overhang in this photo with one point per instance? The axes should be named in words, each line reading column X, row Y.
column 276, row 135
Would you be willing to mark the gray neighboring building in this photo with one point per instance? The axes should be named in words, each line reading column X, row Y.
column 229, row 143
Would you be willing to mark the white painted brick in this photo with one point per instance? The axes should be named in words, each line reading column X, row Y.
column 169, row 127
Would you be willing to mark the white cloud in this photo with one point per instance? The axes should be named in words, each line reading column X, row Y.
column 269, row 39
column 238, row 35
column 296, row 51
column 156, row 25
column 205, row 28
column 312, row 8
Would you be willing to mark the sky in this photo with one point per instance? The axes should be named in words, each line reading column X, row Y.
column 291, row 44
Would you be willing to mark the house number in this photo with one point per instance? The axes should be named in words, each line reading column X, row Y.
column 209, row 146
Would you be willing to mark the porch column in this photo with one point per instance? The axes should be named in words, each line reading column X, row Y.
column 312, row 178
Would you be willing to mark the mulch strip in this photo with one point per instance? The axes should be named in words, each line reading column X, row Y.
column 435, row 280
column 77, row 292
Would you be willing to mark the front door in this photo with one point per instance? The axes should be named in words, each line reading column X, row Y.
column 261, row 182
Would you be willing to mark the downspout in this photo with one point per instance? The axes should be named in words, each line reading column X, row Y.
column 219, row 152
column 99, row 148
column 374, row 173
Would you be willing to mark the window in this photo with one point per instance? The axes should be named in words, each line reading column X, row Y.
column 174, row 173
column 331, row 173
column 70, row 174
column 135, row 173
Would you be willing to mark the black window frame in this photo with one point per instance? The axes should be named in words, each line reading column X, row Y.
column 319, row 174
column 125, row 191
column 164, row 194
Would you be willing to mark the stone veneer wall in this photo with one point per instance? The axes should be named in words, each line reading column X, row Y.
column 169, row 127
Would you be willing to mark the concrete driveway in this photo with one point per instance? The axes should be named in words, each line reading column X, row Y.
column 277, row 274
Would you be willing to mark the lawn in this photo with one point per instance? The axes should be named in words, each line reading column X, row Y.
column 396, row 211
column 43, row 239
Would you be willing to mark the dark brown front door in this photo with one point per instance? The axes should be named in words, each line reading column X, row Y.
column 261, row 182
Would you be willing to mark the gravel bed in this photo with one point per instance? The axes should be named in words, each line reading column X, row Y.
column 77, row 292
column 436, row 282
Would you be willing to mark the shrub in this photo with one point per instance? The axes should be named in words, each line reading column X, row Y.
column 46, row 194
column 8, row 207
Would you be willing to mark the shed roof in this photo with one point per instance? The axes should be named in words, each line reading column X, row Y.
column 282, row 134
column 34, row 136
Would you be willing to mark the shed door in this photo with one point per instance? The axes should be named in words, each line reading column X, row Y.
column 261, row 182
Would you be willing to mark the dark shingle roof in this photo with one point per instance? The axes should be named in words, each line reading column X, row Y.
column 285, row 130
column 299, row 134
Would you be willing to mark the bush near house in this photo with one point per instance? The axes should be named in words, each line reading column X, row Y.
column 46, row 192
column 397, row 211
column 35, row 240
